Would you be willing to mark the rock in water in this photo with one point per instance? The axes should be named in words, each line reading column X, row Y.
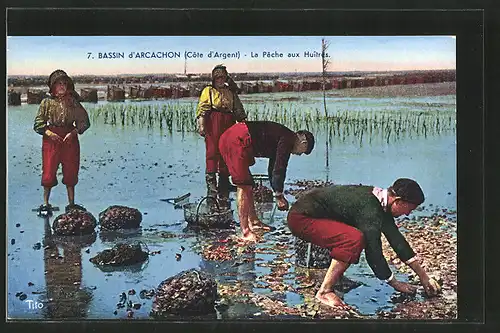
column 189, row 292
column 318, row 258
column 74, row 223
column 120, row 255
column 120, row 217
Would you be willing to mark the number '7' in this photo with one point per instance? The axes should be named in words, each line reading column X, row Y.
column 89, row 54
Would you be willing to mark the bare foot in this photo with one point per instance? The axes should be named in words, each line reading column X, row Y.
column 256, row 225
column 330, row 299
column 249, row 237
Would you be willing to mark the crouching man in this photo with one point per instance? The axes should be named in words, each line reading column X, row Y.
column 349, row 218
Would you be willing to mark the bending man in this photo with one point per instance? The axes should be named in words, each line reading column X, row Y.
column 240, row 144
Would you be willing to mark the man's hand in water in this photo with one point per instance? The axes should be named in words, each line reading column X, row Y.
column 403, row 287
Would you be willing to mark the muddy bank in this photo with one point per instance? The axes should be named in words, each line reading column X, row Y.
column 408, row 90
column 424, row 89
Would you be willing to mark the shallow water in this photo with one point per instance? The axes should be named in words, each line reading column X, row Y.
column 313, row 101
column 138, row 166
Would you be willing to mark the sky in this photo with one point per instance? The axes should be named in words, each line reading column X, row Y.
column 84, row 55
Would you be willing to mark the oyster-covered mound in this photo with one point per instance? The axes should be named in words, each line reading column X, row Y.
column 189, row 292
column 262, row 193
column 119, row 217
column 318, row 257
column 120, row 255
column 74, row 223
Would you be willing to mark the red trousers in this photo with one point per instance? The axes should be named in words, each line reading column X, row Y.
column 215, row 124
column 235, row 146
column 344, row 242
column 65, row 153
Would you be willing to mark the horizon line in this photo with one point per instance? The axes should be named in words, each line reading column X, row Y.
column 233, row 73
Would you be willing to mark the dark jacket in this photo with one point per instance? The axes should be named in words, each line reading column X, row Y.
column 356, row 206
column 274, row 141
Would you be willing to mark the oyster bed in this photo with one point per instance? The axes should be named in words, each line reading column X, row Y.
column 261, row 276
column 434, row 240
column 262, row 281
column 120, row 217
column 73, row 223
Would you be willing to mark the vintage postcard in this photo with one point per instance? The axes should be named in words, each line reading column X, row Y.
column 231, row 177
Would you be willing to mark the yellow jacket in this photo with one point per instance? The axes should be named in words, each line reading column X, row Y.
column 223, row 100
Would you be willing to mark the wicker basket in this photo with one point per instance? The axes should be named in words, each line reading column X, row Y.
column 310, row 255
column 203, row 216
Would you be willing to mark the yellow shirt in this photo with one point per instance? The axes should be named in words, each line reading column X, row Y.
column 223, row 100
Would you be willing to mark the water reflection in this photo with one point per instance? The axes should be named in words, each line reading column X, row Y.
column 120, row 236
column 235, row 279
column 266, row 212
column 63, row 265
column 240, row 269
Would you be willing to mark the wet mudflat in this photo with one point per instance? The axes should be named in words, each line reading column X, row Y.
column 138, row 166
column 433, row 238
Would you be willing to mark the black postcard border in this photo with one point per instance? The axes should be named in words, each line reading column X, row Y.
column 467, row 25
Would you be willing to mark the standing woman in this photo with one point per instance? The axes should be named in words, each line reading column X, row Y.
column 218, row 109
column 60, row 119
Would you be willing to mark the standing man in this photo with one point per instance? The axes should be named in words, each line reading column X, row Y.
column 239, row 146
column 349, row 218
column 218, row 109
column 60, row 119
